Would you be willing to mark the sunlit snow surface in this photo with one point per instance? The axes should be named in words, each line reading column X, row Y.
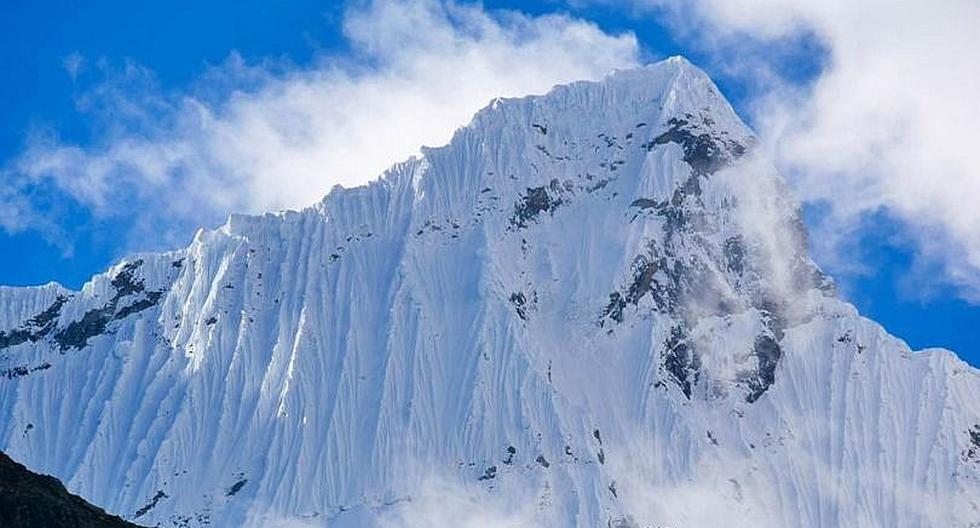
column 592, row 308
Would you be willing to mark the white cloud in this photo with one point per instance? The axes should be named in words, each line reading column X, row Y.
column 442, row 503
column 73, row 64
column 889, row 124
column 256, row 137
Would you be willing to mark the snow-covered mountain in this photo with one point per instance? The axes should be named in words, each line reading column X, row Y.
column 592, row 308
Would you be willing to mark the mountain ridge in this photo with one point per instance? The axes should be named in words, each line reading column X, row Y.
column 598, row 298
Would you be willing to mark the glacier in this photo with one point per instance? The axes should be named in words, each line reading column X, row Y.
column 592, row 308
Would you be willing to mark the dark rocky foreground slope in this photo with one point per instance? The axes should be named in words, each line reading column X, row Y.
column 29, row 500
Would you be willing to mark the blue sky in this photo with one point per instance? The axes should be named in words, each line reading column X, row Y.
column 887, row 271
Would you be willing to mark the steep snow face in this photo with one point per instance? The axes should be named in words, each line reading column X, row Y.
column 591, row 308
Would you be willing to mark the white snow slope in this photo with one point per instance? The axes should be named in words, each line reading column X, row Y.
column 591, row 308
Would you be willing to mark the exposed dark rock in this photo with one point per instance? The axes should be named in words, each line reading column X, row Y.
column 511, row 451
column 35, row 328
column 236, row 487
column 654, row 274
column 688, row 277
column 160, row 495
column 645, row 203
column 520, row 304
column 643, row 271
column 681, row 362
column 614, row 309
column 29, row 500
column 658, row 271
column 14, row 337
column 972, row 451
column 535, row 201
column 543, row 461
column 125, row 281
column 149, row 301
column 46, row 319
column 773, row 313
column 610, row 141
column 22, row 370
column 93, row 323
column 489, row 474
column 767, row 353
column 704, row 152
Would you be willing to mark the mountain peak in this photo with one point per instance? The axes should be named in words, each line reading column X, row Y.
column 637, row 105
column 587, row 304
column 654, row 93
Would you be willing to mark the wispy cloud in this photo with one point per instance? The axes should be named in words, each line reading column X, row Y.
column 73, row 64
column 448, row 503
column 257, row 136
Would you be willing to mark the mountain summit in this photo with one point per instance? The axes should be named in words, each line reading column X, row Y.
column 591, row 308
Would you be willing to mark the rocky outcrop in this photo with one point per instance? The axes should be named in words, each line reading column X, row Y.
column 29, row 500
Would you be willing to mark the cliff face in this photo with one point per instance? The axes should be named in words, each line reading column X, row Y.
column 591, row 308
column 29, row 500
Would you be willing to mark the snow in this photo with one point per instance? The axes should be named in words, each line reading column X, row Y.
column 364, row 362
